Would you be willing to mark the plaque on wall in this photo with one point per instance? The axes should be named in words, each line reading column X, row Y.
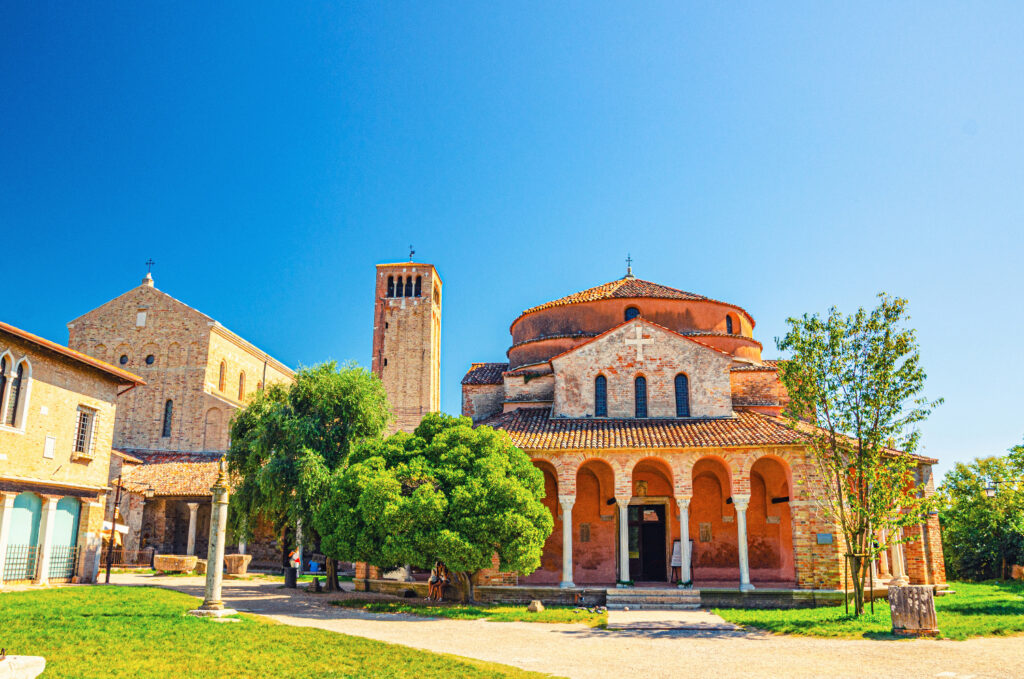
column 774, row 519
column 705, row 531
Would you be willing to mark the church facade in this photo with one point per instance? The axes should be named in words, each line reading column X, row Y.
column 656, row 423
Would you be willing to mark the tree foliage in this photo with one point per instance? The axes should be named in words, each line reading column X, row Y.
column 448, row 492
column 983, row 536
column 855, row 385
column 290, row 437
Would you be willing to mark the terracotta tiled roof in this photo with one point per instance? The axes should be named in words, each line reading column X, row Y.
column 621, row 288
column 485, row 373
column 120, row 376
column 534, row 429
column 768, row 365
column 172, row 473
column 130, row 459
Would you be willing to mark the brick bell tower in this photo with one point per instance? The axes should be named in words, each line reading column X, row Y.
column 407, row 339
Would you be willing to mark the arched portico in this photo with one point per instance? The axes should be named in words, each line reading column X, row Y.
column 769, row 522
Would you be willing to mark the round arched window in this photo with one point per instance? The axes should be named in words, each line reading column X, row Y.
column 150, row 359
column 631, row 313
column 123, row 360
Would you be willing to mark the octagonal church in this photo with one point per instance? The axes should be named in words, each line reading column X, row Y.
column 657, row 424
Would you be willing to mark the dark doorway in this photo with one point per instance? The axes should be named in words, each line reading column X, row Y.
column 647, row 543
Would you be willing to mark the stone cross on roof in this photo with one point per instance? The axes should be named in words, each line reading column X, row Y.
column 639, row 341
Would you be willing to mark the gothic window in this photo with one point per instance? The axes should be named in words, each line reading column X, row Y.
column 631, row 313
column 14, row 398
column 682, row 396
column 3, row 379
column 408, row 286
column 419, row 286
column 728, row 324
column 222, row 378
column 600, row 396
column 241, row 385
column 641, row 396
column 168, row 414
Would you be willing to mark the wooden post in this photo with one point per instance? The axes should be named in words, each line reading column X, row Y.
column 913, row 611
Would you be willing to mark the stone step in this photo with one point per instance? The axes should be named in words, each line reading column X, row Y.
column 624, row 591
column 653, row 599
column 653, row 606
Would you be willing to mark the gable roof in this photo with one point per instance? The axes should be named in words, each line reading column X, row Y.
column 173, row 473
column 485, row 373
column 639, row 319
column 119, row 375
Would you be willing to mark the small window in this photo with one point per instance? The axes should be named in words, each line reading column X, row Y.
column 385, row 362
column 682, row 396
column 11, row 414
column 631, row 313
column 140, row 319
column 641, row 396
column 168, row 416
column 408, row 286
column 391, row 286
column 419, row 286
column 83, row 430
column 150, row 360
column 728, row 324
column 222, row 379
column 241, row 385
column 123, row 360
column 600, row 396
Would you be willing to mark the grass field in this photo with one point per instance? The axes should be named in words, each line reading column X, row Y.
column 497, row 613
column 141, row 632
column 975, row 610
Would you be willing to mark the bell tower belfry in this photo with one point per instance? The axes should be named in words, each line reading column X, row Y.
column 407, row 339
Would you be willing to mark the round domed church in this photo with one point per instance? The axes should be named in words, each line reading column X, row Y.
column 656, row 422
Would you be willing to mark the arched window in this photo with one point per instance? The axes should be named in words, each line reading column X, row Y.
column 399, row 287
column 419, row 286
column 241, row 385
column 682, row 396
column 11, row 414
column 3, row 379
column 221, row 380
column 631, row 313
column 168, row 414
column 641, row 396
column 728, row 324
column 391, row 286
column 408, row 286
column 600, row 396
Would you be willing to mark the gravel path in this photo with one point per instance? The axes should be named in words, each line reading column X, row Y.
column 578, row 651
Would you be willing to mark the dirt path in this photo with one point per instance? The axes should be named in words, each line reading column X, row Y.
column 578, row 651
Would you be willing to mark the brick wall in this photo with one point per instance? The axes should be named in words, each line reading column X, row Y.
column 480, row 401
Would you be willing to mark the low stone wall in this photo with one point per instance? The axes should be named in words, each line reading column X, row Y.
column 491, row 594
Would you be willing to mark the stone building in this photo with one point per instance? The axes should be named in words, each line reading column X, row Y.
column 656, row 423
column 198, row 374
column 57, row 415
column 407, row 339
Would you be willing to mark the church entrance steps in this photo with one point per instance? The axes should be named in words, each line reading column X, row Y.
column 645, row 598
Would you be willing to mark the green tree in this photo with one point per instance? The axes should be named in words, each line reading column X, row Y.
column 449, row 492
column 290, row 438
column 855, row 385
column 981, row 535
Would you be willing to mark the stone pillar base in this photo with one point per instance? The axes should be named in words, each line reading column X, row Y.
column 212, row 612
column 746, row 587
column 566, row 584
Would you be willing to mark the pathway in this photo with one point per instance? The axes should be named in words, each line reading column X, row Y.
column 578, row 651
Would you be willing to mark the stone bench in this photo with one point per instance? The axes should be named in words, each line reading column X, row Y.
column 172, row 563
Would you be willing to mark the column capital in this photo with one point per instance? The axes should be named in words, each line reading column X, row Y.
column 567, row 501
column 7, row 496
column 684, row 501
column 741, row 502
column 192, row 506
column 622, row 501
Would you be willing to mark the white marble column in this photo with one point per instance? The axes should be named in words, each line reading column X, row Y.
column 567, row 501
column 6, row 511
column 46, row 538
column 899, row 564
column 684, row 537
column 623, row 503
column 741, row 502
column 241, row 546
column 193, row 510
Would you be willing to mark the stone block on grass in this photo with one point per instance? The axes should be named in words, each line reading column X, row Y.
column 237, row 564
column 535, row 606
column 174, row 563
column 200, row 567
column 913, row 611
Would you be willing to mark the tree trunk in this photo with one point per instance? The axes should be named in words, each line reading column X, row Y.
column 856, row 564
column 332, row 584
column 468, row 594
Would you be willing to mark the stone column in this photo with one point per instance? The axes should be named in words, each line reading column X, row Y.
column 623, row 503
column 6, row 511
column 883, row 559
column 567, row 501
column 298, row 544
column 899, row 566
column 741, row 502
column 241, row 546
column 684, row 537
column 46, row 538
column 212, row 603
column 193, row 510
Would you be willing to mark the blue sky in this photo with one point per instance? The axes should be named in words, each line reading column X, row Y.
column 784, row 157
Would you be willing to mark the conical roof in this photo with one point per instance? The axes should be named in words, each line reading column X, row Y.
column 618, row 289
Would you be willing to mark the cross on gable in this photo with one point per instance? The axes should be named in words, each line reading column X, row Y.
column 639, row 341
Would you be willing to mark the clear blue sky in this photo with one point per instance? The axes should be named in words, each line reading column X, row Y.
column 781, row 157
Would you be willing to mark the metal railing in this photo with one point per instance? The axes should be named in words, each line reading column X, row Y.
column 20, row 563
column 128, row 558
column 62, row 562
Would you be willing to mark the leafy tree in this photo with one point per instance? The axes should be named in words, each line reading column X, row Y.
column 983, row 535
column 448, row 492
column 290, row 437
column 855, row 385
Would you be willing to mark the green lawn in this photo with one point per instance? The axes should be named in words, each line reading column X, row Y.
column 141, row 632
column 497, row 613
column 977, row 609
